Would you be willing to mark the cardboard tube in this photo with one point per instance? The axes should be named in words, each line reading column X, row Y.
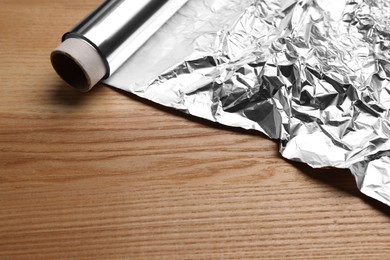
column 78, row 63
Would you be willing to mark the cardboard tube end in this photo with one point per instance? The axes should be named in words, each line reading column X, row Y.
column 78, row 63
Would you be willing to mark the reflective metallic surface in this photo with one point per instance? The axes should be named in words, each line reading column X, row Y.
column 313, row 73
column 118, row 28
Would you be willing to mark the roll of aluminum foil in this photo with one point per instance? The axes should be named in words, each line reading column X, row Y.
column 314, row 74
column 111, row 34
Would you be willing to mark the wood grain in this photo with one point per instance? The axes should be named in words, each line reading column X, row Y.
column 106, row 175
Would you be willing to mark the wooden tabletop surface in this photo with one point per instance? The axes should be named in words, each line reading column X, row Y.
column 107, row 175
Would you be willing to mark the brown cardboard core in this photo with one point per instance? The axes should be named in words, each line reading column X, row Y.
column 70, row 70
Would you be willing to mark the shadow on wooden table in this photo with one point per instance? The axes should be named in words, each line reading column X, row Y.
column 68, row 97
column 342, row 180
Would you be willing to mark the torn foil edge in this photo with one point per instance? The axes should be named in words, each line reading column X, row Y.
column 314, row 74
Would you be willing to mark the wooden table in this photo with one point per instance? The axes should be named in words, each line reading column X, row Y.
column 107, row 175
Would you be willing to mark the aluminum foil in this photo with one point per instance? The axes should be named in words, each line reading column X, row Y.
column 313, row 73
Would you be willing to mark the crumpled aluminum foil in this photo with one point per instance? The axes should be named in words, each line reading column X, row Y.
column 313, row 73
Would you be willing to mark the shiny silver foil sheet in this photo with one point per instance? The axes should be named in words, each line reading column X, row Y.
column 314, row 74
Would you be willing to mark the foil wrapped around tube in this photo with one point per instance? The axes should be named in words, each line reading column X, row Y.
column 314, row 74
column 111, row 34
